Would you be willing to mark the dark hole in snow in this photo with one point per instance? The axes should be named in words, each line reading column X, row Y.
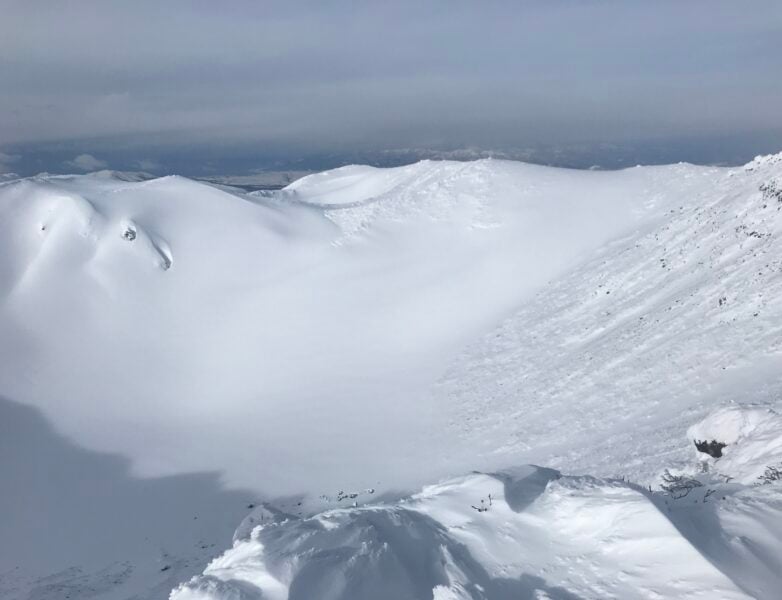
column 129, row 234
column 712, row 448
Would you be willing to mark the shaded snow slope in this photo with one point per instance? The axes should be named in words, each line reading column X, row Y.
column 75, row 524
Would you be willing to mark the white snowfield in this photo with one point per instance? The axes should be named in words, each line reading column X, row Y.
column 382, row 329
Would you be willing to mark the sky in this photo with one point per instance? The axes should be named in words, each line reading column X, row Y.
column 212, row 87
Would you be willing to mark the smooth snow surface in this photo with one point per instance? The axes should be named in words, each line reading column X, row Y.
column 387, row 328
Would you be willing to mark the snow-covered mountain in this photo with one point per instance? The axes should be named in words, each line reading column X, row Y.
column 385, row 329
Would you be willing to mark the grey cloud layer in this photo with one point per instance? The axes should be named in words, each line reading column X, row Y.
column 388, row 74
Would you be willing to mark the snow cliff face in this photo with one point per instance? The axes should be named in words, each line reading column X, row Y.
column 386, row 328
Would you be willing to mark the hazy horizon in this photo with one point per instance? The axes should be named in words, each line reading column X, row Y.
column 199, row 89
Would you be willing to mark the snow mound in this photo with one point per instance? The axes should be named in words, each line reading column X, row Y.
column 753, row 438
column 528, row 533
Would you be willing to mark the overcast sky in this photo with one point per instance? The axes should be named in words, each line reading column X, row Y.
column 98, row 82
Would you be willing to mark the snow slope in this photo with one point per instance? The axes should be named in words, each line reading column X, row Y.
column 75, row 524
column 386, row 328
column 640, row 341
column 212, row 321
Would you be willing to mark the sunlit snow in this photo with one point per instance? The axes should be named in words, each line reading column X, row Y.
column 364, row 334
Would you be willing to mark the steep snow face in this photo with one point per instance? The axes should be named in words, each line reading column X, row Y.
column 606, row 367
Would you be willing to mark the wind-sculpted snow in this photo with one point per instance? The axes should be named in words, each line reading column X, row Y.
column 528, row 533
column 532, row 532
column 385, row 328
column 539, row 203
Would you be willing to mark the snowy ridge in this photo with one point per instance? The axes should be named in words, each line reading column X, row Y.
column 525, row 533
column 481, row 193
column 356, row 196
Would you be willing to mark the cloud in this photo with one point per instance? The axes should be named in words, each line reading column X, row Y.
column 86, row 162
column 336, row 76
column 6, row 160
column 146, row 164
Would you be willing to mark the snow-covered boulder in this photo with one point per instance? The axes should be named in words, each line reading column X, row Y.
column 752, row 436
